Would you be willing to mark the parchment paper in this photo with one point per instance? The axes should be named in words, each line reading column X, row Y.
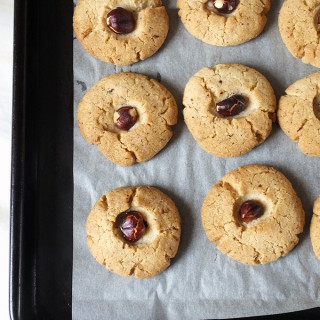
column 201, row 282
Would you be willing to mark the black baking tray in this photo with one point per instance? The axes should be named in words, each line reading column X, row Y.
column 42, row 164
column 42, row 157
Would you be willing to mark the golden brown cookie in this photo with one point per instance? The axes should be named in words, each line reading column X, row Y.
column 121, row 31
column 224, row 22
column 299, row 114
column 229, row 109
column 299, row 25
column 253, row 214
column 134, row 231
column 315, row 228
column 128, row 116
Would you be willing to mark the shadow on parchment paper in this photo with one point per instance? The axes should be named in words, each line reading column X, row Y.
column 187, row 223
column 276, row 82
column 174, row 21
column 273, row 14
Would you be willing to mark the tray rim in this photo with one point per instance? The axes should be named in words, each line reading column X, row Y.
column 27, row 264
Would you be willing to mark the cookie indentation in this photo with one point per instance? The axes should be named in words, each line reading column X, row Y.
column 231, row 106
column 250, row 210
column 222, row 7
column 145, row 233
column 120, row 21
column 125, row 118
column 254, row 206
column 131, row 225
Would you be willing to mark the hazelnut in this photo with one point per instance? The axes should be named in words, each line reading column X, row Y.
column 120, row 21
column 250, row 210
column 131, row 225
column 125, row 118
column 318, row 21
column 222, row 6
column 316, row 107
column 231, row 106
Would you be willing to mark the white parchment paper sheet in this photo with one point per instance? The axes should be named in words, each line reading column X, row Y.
column 201, row 282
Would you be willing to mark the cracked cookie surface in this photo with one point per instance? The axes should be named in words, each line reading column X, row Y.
column 299, row 114
column 265, row 239
column 230, row 136
column 156, row 108
column 299, row 28
column 151, row 254
column 315, row 228
column 151, row 28
column 243, row 24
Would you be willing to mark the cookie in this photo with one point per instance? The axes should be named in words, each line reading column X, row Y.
column 229, row 109
column 134, row 231
column 121, row 32
column 299, row 25
column 224, row 22
column 299, row 114
column 315, row 228
column 253, row 215
column 128, row 116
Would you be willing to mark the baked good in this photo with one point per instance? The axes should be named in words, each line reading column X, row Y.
column 253, row 215
column 229, row 109
column 224, row 22
column 299, row 114
column 121, row 32
column 128, row 116
column 134, row 231
column 299, row 25
column 315, row 228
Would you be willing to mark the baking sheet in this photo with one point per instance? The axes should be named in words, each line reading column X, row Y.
column 201, row 282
